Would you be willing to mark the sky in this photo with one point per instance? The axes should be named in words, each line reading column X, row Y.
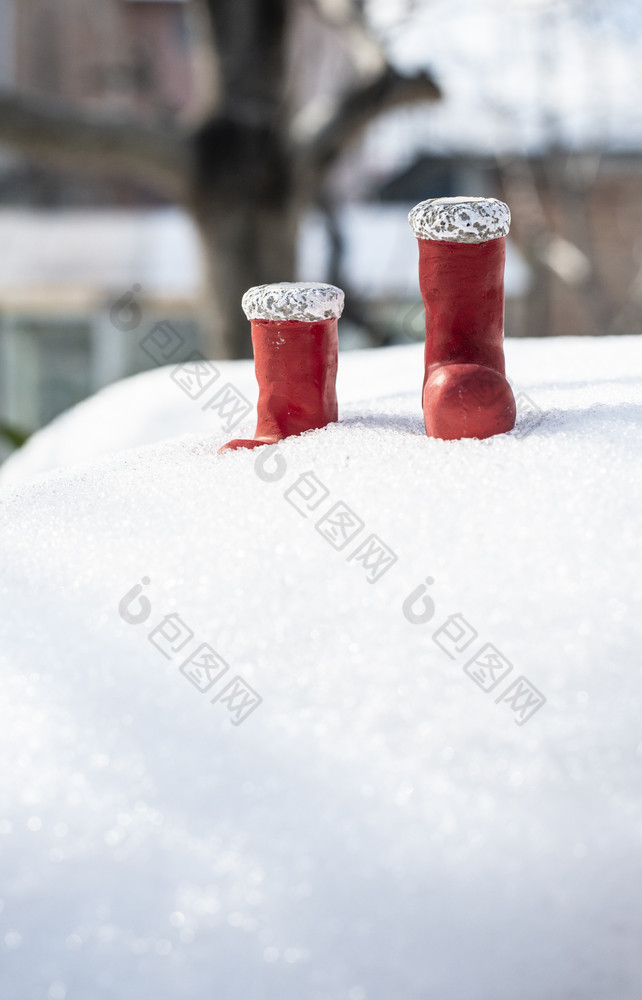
column 518, row 74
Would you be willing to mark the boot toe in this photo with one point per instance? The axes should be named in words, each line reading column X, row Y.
column 239, row 443
column 467, row 401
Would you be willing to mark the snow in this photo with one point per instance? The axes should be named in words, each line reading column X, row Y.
column 379, row 826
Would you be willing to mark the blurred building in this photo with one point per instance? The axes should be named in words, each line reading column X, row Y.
column 79, row 292
column 129, row 58
column 576, row 236
column 73, row 244
column 125, row 55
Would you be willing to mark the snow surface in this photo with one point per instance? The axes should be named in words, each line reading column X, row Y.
column 379, row 827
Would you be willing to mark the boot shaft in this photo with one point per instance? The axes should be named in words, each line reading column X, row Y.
column 296, row 369
column 462, row 287
column 462, row 253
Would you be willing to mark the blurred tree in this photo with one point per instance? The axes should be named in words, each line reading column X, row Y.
column 564, row 209
column 253, row 163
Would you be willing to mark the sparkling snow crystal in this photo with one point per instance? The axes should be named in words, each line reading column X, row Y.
column 394, row 819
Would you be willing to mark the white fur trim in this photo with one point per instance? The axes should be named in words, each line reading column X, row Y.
column 460, row 220
column 301, row 301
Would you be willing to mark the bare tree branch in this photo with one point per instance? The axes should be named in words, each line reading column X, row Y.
column 55, row 134
column 366, row 53
column 357, row 109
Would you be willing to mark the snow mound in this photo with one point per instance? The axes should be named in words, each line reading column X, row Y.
column 249, row 751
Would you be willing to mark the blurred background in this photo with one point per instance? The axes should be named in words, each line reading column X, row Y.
column 158, row 157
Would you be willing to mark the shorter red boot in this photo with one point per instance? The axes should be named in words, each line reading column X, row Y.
column 462, row 250
column 295, row 341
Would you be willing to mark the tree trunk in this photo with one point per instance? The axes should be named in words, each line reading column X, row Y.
column 242, row 247
column 246, row 207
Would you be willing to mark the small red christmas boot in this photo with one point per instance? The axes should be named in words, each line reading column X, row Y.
column 462, row 250
column 294, row 336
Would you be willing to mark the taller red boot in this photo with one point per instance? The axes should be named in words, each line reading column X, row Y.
column 462, row 250
column 295, row 341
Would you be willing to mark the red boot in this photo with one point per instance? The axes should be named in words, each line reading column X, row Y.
column 462, row 249
column 294, row 335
